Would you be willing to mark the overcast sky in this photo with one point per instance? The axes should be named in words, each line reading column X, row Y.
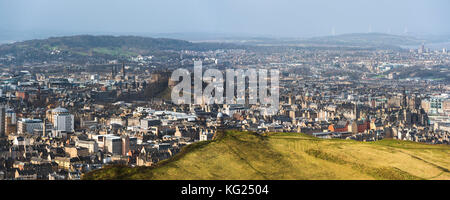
column 262, row 17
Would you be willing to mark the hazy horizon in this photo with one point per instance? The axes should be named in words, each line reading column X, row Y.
column 241, row 18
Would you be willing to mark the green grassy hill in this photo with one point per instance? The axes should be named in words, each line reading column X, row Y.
column 242, row 155
column 79, row 47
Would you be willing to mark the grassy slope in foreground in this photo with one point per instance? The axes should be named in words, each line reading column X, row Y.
column 241, row 155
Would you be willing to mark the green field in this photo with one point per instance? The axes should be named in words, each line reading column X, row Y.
column 242, row 155
column 113, row 51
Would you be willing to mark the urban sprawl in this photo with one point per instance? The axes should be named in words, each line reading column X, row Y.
column 61, row 119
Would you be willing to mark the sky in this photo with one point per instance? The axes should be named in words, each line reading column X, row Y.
column 279, row 18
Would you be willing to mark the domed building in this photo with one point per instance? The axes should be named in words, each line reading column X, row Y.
column 61, row 119
column 59, row 110
column 219, row 119
column 219, row 115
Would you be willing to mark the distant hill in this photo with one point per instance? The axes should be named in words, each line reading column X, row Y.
column 243, row 155
column 358, row 40
column 366, row 39
column 71, row 48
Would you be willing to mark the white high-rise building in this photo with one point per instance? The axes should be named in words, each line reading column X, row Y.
column 63, row 120
column 30, row 126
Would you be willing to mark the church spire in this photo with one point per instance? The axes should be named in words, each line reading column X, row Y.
column 123, row 69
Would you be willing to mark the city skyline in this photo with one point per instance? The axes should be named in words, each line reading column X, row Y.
column 224, row 90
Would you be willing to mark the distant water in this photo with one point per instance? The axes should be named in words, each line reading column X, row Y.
column 6, row 42
column 431, row 46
